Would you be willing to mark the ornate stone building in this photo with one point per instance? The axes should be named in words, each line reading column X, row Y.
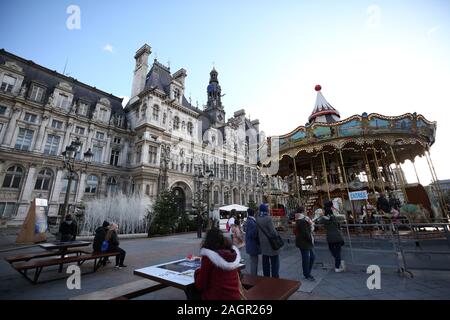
column 159, row 140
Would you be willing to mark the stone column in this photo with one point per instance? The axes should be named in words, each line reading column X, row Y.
column 81, row 186
column 67, row 135
column 57, row 185
column 41, row 133
column 90, row 136
column 124, row 153
column 11, row 126
column 107, row 151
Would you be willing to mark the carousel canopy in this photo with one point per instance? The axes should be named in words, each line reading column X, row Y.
column 231, row 207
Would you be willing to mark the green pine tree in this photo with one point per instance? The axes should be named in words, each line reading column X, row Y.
column 165, row 214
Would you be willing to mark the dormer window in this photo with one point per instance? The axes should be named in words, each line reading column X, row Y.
column 37, row 93
column 176, row 94
column 83, row 108
column 102, row 114
column 156, row 112
column 119, row 121
column 63, row 101
column 8, row 83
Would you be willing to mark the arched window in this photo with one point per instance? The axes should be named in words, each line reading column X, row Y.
column 73, row 186
column 44, row 180
column 190, row 128
column 13, row 177
column 183, row 125
column 176, row 123
column 91, row 184
column 156, row 112
column 112, row 185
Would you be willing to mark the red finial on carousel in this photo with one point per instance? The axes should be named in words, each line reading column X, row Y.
column 318, row 87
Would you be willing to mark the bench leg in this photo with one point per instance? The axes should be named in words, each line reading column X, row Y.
column 24, row 274
column 37, row 273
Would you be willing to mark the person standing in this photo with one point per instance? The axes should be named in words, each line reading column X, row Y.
column 68, row 229
column 113, row 239
column 334, row 237
column 270, row 257
column 252, row 246
column 199, row 225
column 305, row 242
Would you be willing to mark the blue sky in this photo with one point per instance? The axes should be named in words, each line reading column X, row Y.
column 389, row 57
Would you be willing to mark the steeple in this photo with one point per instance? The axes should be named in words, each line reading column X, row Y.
column 323, row 111
column 214, row 106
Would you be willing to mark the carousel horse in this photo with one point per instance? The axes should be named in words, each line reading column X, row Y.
column 415, row 213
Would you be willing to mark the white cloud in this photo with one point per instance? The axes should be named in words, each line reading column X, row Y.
column 432, row 30
column 108, row 48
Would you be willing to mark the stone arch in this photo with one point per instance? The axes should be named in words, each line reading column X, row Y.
column 183, row 193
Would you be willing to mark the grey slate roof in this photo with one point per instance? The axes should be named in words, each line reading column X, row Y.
column 50, row 78
column 159, row 77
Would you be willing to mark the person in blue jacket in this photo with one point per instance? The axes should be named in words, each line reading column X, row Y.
column 252, row 241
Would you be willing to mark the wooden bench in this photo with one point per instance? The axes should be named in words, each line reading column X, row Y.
column 98, row 257
column 125, row 291
column 266, row 288
column 46, row 254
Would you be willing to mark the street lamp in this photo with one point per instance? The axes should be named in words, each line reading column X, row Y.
column 69, row 156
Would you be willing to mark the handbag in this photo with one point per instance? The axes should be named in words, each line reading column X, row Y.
column 276, row 242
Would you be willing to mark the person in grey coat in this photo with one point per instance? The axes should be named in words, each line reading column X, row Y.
column 334, row 237
column 270, row 257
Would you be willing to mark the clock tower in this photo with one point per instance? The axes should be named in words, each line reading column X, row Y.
column 214, row 107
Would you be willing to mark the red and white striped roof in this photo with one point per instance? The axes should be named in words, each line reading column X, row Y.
column 323, row 111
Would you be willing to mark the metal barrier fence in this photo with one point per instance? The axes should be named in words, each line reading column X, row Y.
column 405, row 246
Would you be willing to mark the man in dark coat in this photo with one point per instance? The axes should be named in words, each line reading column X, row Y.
column 383, row 204
column 68, row 229
column 304, row 241
column 252, row 241
column 100, row 235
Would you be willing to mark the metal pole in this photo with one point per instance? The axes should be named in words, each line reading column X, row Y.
column 380, row 179
column 346, row 183
column 436, row 182
column 402, row 182
column 369, row 172
column 326, row 175
column 415, row 170
column 66, row 198
column 296, row 181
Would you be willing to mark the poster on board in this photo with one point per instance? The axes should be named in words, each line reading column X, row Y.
column 35, row 226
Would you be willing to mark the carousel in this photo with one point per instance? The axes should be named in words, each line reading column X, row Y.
column 334, row 159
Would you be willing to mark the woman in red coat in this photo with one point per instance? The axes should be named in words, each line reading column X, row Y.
column 218, row 276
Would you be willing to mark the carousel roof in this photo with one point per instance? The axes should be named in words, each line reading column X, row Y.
column 323, row 111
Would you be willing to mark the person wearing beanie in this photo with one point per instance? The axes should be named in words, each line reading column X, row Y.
column 252, row 246
column 68, row 229
column 266, row 229
column 100, row 235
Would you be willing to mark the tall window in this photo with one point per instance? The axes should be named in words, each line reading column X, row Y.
column 176, row 94
column 62, row 101
column 190, row 128
column 8, row 83
column 3, row 110
column 37, row 93
column 100, row 135
column 216, row 196
column 57, row 124
column 29, row 117
column 79, row 130
column 176, row 123
column 143, row 110
column 116, row 140
column 7, row 209
column 97, row 151
column 91, row 184
column 44, row 180
column 114, row 160
column 119, row 121
column 102, row 114
column 152, row 152
column 73, row 185
column 138, row 154
column 164, row 118
column 225, row 171
column 83, row 108
column 112, row 185
column 52, row 144
column 226, row 197
column 13, row 177
column 23, row 141
column 156, row 112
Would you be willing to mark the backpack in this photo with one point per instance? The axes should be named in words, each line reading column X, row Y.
column 105, row 246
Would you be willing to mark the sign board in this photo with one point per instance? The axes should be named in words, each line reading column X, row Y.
column 35, row 226
column 358, row 195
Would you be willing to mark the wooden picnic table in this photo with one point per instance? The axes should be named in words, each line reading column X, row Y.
column 63, row 247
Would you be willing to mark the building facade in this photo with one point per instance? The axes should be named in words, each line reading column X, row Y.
column 158, row 141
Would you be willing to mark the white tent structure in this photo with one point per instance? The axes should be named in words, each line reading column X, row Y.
column 236, row 207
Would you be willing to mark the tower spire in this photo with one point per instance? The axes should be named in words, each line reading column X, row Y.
column 323, row 111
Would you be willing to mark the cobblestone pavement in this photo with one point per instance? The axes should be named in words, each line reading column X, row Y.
column 146, row 252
